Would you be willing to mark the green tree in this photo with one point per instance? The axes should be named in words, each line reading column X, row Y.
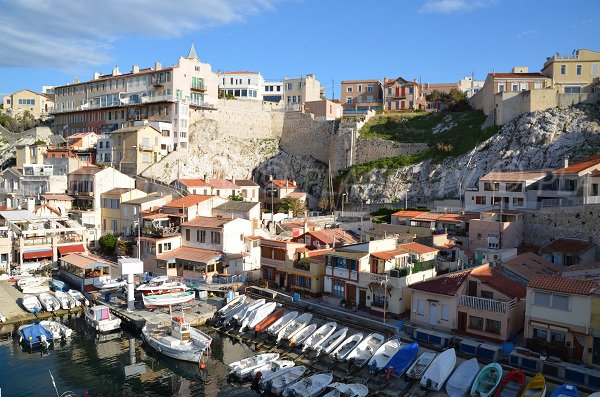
column 108, row 243
column 287, row 204
column 324, row 204
column 236, row 197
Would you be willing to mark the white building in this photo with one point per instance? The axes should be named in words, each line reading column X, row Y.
column 273, row 91
column 241, row 85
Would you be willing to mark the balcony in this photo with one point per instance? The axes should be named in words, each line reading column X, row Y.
column 302, row 264
column 488, row 305
column 161, row 231
column 76, row 192
column 158, row 98
column 341, row 273
column 201, row 88
column 145, row 148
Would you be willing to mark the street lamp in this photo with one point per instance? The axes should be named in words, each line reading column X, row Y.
column 343, row 197
column 384, row 284
column 271, row 192
column 406, row 199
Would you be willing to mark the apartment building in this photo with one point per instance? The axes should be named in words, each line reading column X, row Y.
column 241, row 85
column 401, row 94
column 18, row 184
column 575, row 183
column 495, row 230
column 273, row 91
column 131, row 210
column 324, row 109
column 360, row 96
column 576, row 73
column 189, row 207
column 112, row 219
column 17, row 103
column 297, row 91
column 136, row 148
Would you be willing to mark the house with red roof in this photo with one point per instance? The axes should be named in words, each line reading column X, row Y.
column 569, row 252
column 224, row 188
column 277, row 189
column 188, row 207
column 326, row 238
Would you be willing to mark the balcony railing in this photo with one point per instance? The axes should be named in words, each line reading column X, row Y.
column 200, row 88
column 489, row 305
column 160, row 231
column 158, row 98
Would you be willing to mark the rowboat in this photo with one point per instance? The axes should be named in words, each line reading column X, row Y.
column 365, row 349
column 249, row 306
column 566, row 390
column 276, row 382
column 36, row 289
column 319, row 336
column 300, row 336
column 420, row 366
column 257, row 315
column 179, row 341
column 30, row 281
column 309, row 387
column 459, row 383
column 294, row 326
column 511, row 385
column 536, row 387
column 58, row 285
column 272, row 367
column 31, row 303
column 347, row 390
column 242, row 369
column 403, row 358
column 439, row 370
column 332, row 342
column 34, row 335
column 281, row 322
column 384, row 354
column 161, row 285
column 175, row 298
column 239, row 300
column 269, row 320
column 59, row 330
column 49, row 302
column 78, row 297
column 227, row 316
column 346, row 347
column 65, row 300
column 487, row 380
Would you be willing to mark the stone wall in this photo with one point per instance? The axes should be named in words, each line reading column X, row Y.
column 370, row 149
column 302, row 135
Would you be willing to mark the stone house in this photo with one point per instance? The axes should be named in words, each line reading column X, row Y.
column 401, row 94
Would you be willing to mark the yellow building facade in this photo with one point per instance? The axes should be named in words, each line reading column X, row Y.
column 112, row 216
column 576, row 73
column 136, row 148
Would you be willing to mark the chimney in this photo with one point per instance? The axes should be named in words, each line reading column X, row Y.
column 135, row 69
column 565, row 161
column 76, row 80
column 115, row 71
column 205, row 178
column 157, row 65
column 96, row 76
column 286, row 183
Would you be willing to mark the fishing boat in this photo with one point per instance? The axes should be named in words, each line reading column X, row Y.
column 311, row 386
column 111, row 283
column 511, row 385
column 78, row 297
column 30, row 281
column 257, row 315
column 346, row 347
column 161, row 285
column 58, row 285
column 365, row 349
column 243, row 369
column 319, row 336
column 276, row 382
column 420, row 366
column 566, row 390
column 384, row 354
column 439, row 370
column 31, row 303
column 272, row 367
column 49, row 302
column 332, row 342
column 248, row 308
column 278, row 325
column 269, row 320
column 179, row 341
column 347, row 390
column 294, row 326
column 459, row 383
column 239, row 300
column 35, row 289
column 487, row 380
column 536, row 387
column 403, row 358
column 300, row 336
column 65, row 300
column 168, row 299
column 34, row 335
column 101, row 319
column 59, row 330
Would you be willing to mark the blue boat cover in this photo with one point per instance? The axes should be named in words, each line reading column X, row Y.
column 59, row 285
column 404, row 358
column 32, row 333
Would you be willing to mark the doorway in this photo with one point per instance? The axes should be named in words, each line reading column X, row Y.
column 432, row 314
column 362, row 299
column 281, row 280
column 462, row 321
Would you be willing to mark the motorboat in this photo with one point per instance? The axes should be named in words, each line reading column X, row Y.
column 294, row 326
column 347, row 390
column 239, row 300
column 300, row 336
column 168, row 299
column 459, row 383
column 249, row 306
column 78, row 297
column 243, row 369
column 257, row 315
column 566, row 390
column 101, row 319
column 35, row 289
column 49, row 302
column 59, row 330
column 276, row 382
column 111, row 283
column 161, row 285
column 65, row 300
column 346, row 347
column 179, row 341
column 365, row 349
column 274, row 328
column 536, row 387
column 420, row 366
column 511, row 385
column 34, row 335
column 30, row 281
column 311, row 386
column 269, row 320
column 403, row 358
column 439, row 370
column 31, row 303
column 487, row 380
column 58, row 285
column 319, row 336
column 332, row 342
column 273, row 367
column 384, row 354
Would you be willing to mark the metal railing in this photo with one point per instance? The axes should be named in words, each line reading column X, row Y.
column 489, row 305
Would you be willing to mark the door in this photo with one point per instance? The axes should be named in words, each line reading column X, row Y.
column 472, row 288
column 402, row 105
column 433, row 313
column 362, row 299
column 462, row 321
column 281, row 280
column 403, row 92
column 113, row 226
column 397, row 92
column 577, row 350
column 351, row 294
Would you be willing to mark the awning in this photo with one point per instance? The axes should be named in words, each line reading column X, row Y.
column 67, row 249
column 38, row 254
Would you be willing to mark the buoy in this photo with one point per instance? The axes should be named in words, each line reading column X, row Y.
column 202, row 365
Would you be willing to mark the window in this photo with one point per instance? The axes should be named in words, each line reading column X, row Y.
column 493, row 326
column 349, row 100
column 187, row 234
column 541, row 299
column 420, row 307
column 537, row 85
column 557, row 337
column 488, row 187
column 514, row 87
column 540, row 334
column 370, row 88
column 594, row 68
column 572, row 90
column 378, row 300
column 338, row 288
column 524, row 86
column 348, row 89
column 563, row 69
column 518, row 202
column 202, row 236
column 487, row 294
column 514, row 187
column 445, row 312
column 560, row 302
column 480, row 200
column 215, row 238
column 578, row 70
column 594, row 189
column 570, row 185
column 360, row 88
column 476, row 323
column 501, row 88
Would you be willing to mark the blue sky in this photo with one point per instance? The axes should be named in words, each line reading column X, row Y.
column 49, row 42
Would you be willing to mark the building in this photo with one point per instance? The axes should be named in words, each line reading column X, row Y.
column 569, row 252
column 495, row 230
column 578, row 73
column 524, row 267
column 5, row 249
column 17, row 103
column 83, row 271
column 241, row 85
column 573, row 184
column 159, row 235
column 20, row 184
column 115, row 100
column 82, row 141
column 440, row 222
column 360, row 96
column 239, row 209
column 248, row 189
column 273, row 91
column 470, row 86
column 136, row 148
column 111, row 200
column 401, row 94
column 324, row 109
column 131, row 210
column 63, row 203
column 326, row 238
column 297, row 91
column 275, row 190
column 277, row 259
column 427, row 88
column 189, row 207
column 225, row 188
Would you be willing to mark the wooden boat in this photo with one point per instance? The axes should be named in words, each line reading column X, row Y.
column 78, row 297
column 487, row 380
column 294, row 326
column 59, row 330
column 346, row 347
column 31, row 303
column 511, row 385
column 34, row 335
column 439, row 370
column 58, row 285
column 363, row 352
column 384, row 354
column 332, row 342
column 242, row 369
column 249, row 306
column 459, row 383
column 101, row 319
column 566, row 390
column 49, row 302
column 276, row 382
column 161, row 285
column 30, row 281
column 239, row 300
column 36, row 289
column 536, row 387
column 257, row 315
column 309, row 387
column 319, row 336
column 269, row 320
column 65, row 300
column 278, row 325
column 272, row 367
column 403, row 359
column 174, row 298
column 347, row 390
column 420, row 366
column 300, row 336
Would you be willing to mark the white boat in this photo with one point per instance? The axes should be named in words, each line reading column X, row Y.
column 384, row 354
column 347, row 390
column 294, row 326
column 59, row 330
column 78, row 297
column 276, row 382
column 319, row 336
column 30, row 281
column 31, row 303
column 2, row 317
column 101, row 319
column 244, row 368
column 179, row 341
column 439, row 370
column 459, row 384
column 272, row 367
column 111, row 283
column 346, row 347
column 332, row 342
column 300, row 336
column 420, row 365
column 282, row 322
column 65, row 300
column 311, row 386
column 49, row 302
column 249, row 306
column 161, row 285
column 36, row 289
column 228, row 316
column 365, row 349
column 257, row 315
column 234, row 303
column 170, row 299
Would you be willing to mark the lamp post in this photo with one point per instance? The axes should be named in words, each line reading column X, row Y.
column 406, row 199
column 271, row 192
column 384, row 284
column 343, row 198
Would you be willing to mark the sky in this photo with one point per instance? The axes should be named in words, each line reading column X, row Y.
column 50, row 42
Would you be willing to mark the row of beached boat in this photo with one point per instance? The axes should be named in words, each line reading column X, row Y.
column 43, row 333
column 53, row 301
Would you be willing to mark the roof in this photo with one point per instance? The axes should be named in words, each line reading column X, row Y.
column 437, row 216
column 207, row 221
column 134, row 128
column 566, row 245
column 387, row 255
column 145, row 199
column 188, row 201
column 156, row 216
column 239, row 72
column 564, row 285
column 348, row 254
column 517, row 75
column 107, row 77
column 245, row 182
column 222, row 184
column 237, row 206
column 595, row 174
column 192, row 182
column 498, row 281
column 119, row 190
column 418, row 248
column 85, row 261
column 297, row 195
column 447, row 284
column 328, row 236
column 19, row 215
column 89, row 170
column 190, row 254
column 579, row 166
column 57, row 196
column 528, row 265
column 408, row 213
column 80, row 135
column 361, row 81
column 517, row 176
column 282, row 183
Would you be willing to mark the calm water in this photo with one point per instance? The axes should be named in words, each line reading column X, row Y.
column 117, row 365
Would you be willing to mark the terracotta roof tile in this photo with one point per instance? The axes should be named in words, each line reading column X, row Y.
column 436, row 216
column 513, row 176
column 580, row 166
column 567, row 246
column 188, row 201
column 118, row 190
column 447, row 284
column 528, row 265
column 418, row 248
column 245, row 182
column 564, row 285
column 499, row 282
column 297, row 195
column 408, row 213
column 282, row 183
column 387, row 255
column 86, row 171
column 57, row 196
column 191, row 254
column 327, row 236
column 222, row 184
column 240, row 72
column 192, row 182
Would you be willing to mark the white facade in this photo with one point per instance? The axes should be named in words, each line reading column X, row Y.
column 242, row 85
column 105, row 149
column 273, row 91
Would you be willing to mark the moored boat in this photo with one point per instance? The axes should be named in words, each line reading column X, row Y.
column 64, row 299
column 294, row 326
column 365, row 349
column 101, row 319
column 272, row 367
column 300, row 336
column 34, row 335
column 419, row 367
column 346, row 347
column 59, row 330
column 459, row 383
column 257, row 315
column 332, row 342
column 536, row 387
column 49, row 302
column 319, row 336
column 248, row 308
column 566, row 390
column 30, row 282
column 35, row 289
column 511, row 385
column 276, row 382
column 78, row 297
column 239, row 300
column 274, row 328
column 384, row 354
column 168, row 299
column 439, row 370
column 58, row 285
column 31, row 303
column 403, row 359
column 269, row 320
column 161, row 285
column 243, row 369
column 347, row 390
column 487, row 380
column 311, row 386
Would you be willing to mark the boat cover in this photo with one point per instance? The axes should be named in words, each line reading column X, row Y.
column 404, row 358
column 33, row 333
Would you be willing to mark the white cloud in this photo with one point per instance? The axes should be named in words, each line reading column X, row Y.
column 528, row 33
column 63, row 33
column 450, row 6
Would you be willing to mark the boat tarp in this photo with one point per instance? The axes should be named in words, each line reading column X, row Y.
column 404, row 358
column 439, row 368
column 33, row 333
column 460, row 382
